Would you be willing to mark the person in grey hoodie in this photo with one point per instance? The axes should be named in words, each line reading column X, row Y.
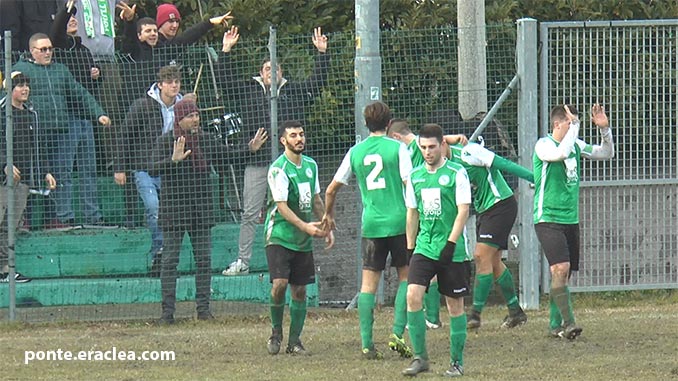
column 149, row 117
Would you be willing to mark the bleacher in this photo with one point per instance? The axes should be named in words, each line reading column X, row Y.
column 111, row 266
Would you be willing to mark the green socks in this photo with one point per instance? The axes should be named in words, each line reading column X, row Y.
column 555, row 319
column 400, row 310
column 457, row 338
column 417, row 327
column 432, row 303
column 561, row 298
column 481, row 290
column 366, row 316
column 277, row 310
column 505, row 282
column 297, row 318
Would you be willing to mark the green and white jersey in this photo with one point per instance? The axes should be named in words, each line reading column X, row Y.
column 380, row 165
column 556, row 197
column 488, row 184
column 415, row 153
column 297, row 186
column 557, row 169
column 436, row 195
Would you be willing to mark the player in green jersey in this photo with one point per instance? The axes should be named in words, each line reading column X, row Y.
column 381, row 166
column 293, row 200
column 557, row 168
column 400, row 130
column 497, row 210
column 438, row 200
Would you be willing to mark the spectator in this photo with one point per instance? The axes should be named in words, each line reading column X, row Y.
column 53, row 87
column 254, row 96
column 141, row 37
column 183, row 158
column 168, row 18
column 149, row 117
column 25, row 18
column 79, row 146
column 96, row 20
column 29, row 163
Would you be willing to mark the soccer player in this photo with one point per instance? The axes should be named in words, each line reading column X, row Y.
column 294, row 197
column 400, row 130
column 381, row 166
column 438, row 199
column 497, row 209
column 557, row 167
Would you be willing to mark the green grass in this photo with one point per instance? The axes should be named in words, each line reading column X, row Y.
column 627, row 336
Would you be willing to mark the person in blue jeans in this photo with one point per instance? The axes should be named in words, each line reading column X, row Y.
column 149, row 117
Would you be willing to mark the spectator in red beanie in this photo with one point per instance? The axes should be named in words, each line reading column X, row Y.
column 168, row 18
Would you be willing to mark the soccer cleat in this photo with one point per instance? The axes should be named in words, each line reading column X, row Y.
column 397, row 344
column 456, row 370
column 372, row 354
column 237, row 268
column 18, row 278
column 430, row 325
column 473, row 320
column 205, row 316
column 418, row 365
column 557, row 332
column 296, row 349
column 165, row 320
column 571, row 331
column 273, row 344
column 514, row 318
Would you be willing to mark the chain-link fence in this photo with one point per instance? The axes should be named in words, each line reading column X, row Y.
column 95, row 239
column 628, row 203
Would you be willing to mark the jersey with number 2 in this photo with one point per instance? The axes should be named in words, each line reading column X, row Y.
column 380, row 165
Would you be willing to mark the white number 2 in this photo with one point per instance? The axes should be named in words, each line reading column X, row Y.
column 372, row 181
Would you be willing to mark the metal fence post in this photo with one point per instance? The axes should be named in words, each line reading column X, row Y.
column 273, row 51
column 9, row 135
column 526, row 59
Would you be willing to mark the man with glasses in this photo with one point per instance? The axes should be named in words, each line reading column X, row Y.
column 53, row 87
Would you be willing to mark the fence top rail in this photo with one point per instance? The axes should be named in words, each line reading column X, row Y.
column 610, row 23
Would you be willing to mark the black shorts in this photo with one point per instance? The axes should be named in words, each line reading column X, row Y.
column 295, row 266
column 560, row 243
column 494, row 225
column 375, row 251
column 453, row 278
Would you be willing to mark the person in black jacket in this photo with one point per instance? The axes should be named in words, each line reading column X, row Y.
column 253, row 99
column 141, row 40
column 79, row 146
column 149, row 117
column 29, row 163
column 183, row 159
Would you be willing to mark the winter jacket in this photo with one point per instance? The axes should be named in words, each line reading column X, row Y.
column 187, row 194
column 52, row 88
column 30, row 154
column 252, row 100
column 71, row 52
column 142, row 126
column 188, row 37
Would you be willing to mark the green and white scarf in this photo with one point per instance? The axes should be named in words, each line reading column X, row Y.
column 105, row 16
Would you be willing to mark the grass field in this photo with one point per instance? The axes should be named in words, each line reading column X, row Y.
column 627, row 336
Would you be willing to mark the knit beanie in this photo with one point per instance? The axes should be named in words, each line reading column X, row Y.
column 165, row 13
column 183, row 108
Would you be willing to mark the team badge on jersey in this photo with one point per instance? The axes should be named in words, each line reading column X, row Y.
column 443, row 180
column 309, row 173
